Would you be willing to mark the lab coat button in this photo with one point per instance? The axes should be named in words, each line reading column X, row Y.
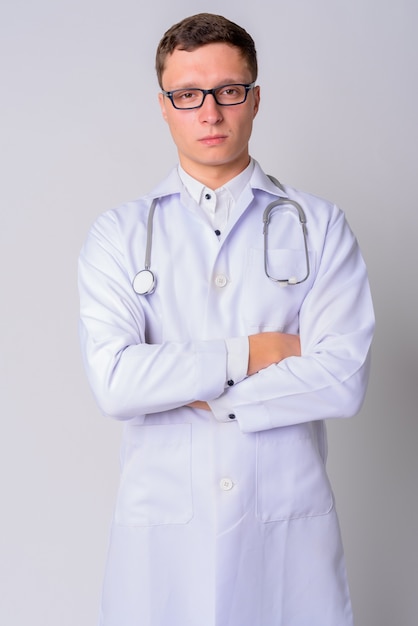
column 226, row 484
column 220, row 280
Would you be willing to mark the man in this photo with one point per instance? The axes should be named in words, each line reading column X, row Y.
column 224, row 357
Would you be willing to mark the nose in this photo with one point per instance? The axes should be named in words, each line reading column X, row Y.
column 210, row 111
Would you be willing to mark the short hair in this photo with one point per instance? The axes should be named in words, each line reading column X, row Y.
column 201, row 29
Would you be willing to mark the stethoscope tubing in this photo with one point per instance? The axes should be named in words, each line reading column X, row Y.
column 302, row 219
column 144, row 282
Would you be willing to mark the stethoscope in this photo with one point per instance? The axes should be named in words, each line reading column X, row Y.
column 145, row 280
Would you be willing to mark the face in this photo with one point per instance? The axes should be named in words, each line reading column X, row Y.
column 212, row 141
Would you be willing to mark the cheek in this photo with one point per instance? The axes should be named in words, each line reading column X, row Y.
column 179, row 132
column 245, row 129
column 181, row 127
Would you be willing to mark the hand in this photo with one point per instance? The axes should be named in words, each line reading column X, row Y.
column 269, row 348
column 199, row 404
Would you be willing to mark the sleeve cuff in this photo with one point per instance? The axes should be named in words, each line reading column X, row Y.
column 225, row 409
column 237, row 359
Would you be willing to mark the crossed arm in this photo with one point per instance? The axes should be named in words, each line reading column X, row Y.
column 264, row 350
column 329, row 380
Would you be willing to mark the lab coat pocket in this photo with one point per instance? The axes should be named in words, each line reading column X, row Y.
column 291, row 478
column 156, row 476
column 270, row 305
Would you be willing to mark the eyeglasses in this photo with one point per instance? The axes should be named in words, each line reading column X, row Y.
column 226, row 95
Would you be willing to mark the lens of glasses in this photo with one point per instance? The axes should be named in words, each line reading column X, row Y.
column 226, row 95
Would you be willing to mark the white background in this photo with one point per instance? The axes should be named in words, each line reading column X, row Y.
column 81, row 132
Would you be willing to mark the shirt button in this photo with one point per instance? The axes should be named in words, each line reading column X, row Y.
column 226, row 484
column 217, row 232
column 231, row 416
column 221, row 280
column 230, row 383
column 207, row 196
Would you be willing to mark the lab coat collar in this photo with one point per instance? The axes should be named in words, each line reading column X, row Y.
column 260, row 180
column 172, row 184
column 169, row 186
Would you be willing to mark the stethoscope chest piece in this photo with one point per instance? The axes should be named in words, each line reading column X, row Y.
column 144, row 283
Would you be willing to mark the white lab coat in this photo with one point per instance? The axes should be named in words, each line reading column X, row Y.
column 224, row 521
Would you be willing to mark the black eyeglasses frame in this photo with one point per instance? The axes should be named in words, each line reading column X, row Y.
column 206, row 92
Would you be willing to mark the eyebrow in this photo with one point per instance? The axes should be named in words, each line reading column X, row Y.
column 226, row 81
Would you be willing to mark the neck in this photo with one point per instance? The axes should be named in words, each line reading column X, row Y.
column 214, row 176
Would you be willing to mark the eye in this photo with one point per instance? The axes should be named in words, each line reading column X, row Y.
column 230, row 91
column 230, row 94
column 185, row 94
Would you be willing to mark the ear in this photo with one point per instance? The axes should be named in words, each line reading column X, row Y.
column 162, row 101
column 256, row 94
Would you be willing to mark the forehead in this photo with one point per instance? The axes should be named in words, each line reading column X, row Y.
column 206, row 66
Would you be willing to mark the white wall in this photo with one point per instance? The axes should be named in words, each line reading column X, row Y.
column 80, row 133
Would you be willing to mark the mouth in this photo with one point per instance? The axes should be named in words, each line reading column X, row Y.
column 213, row 140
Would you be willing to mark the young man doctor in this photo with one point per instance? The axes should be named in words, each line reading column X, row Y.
column 222, row 375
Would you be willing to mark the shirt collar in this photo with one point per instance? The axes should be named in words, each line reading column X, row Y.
column 234, row 187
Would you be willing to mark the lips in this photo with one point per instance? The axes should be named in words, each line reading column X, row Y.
column 213, row 140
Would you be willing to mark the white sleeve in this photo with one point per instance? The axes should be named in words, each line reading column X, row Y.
column 336, row 324
column 128, row 376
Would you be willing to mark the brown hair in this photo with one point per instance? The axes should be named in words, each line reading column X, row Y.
column 201, row 29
